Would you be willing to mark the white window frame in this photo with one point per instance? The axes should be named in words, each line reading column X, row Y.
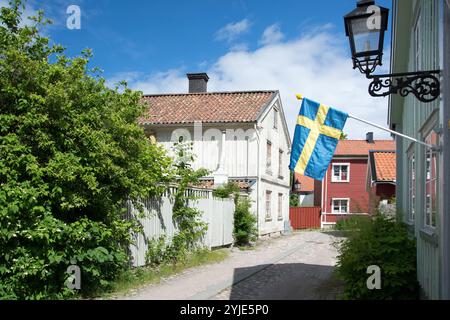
column 280, row 206
column 280, row 163
column 341, row 164
column 269, row 157
column 275, row 118
column 268, row 205
column 411, row 186
column 428, row 205
column 340, row 206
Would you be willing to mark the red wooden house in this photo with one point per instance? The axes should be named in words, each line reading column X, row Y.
column 344, row 187
column 381, row 176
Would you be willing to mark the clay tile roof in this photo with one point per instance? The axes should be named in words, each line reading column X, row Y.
column 385, row 165
column 306, row 183
column 362, row 147
column 242, row 106
column 209, row 183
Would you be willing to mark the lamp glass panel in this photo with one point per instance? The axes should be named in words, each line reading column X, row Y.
column 365, row 39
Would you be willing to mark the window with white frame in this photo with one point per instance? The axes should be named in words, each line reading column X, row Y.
column 431, row 166
column 340, row 205
column 340, row 172
column 411, row 186
column 280, row 164
column 269, row 157
column 280, row 206
column 275, row 118
column 268, row 205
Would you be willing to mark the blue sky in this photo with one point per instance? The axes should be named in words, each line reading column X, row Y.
column 292, row 46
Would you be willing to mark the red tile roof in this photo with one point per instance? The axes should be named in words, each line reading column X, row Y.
column 362, row 147
column 205, row 107
column 209, row 183
column 385, row 165
column 306, row 183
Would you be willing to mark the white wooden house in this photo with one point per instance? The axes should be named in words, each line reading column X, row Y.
column 238, row 136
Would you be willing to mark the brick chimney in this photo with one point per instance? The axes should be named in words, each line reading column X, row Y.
column 197, row 82
column 369, row 137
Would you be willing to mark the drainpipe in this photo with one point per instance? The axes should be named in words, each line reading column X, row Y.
column 259, row 179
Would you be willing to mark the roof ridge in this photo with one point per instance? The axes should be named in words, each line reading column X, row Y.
column 366, row 140
column 208, row 93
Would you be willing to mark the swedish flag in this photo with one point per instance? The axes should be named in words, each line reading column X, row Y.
column 316, row 136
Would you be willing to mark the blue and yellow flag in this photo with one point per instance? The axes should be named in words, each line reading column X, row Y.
column 316, row 136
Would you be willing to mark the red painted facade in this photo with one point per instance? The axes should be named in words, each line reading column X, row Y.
column 354, row 190
column 380, row 191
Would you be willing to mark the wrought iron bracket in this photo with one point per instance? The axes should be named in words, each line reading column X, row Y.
column 424, row 85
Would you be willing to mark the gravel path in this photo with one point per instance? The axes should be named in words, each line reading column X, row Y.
column 296, row 266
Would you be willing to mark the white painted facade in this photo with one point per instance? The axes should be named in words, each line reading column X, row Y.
column 239, row 151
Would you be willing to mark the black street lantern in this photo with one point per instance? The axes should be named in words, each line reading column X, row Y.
column 365, row 27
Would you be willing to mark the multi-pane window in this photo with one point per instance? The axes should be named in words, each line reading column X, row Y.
column 340, row 173
column 275, row 118
column 431, row 180
column 268, row 205
column 280, row 164
column 269, row 157
column 411, row 187
column 280, row 206
column 340, row 205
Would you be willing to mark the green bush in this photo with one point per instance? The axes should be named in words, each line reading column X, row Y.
column 71, row 154
column 352, row 223
column 293, row 200
column 226, row 190
column 245, row 229
column 384, row 243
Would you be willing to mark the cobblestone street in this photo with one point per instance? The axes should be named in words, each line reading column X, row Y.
column 297, row 266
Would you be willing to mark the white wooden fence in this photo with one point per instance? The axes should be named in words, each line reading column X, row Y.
column 217, row 213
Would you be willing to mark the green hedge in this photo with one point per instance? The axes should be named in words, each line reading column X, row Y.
column 384, row 243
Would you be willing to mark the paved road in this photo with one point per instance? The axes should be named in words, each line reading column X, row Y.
column 297, row 266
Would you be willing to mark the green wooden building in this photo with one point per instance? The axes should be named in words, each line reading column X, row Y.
column 421, row 41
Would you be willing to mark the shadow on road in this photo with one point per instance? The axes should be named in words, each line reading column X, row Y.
column 290, row 281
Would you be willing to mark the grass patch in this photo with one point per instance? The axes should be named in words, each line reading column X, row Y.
column 139, row 277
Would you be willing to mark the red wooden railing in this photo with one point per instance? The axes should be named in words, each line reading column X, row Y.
column 305, row 217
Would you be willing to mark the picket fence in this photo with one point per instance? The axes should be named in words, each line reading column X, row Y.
column 216, row 212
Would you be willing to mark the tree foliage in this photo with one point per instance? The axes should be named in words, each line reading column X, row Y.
column 71, row 153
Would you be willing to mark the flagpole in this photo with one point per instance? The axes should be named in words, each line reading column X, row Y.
column 393, row 132
column 300, row 97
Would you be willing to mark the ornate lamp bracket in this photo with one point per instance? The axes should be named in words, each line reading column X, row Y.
column 423, row 84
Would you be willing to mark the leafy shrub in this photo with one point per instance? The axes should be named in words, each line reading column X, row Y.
column 245, row 229
column 384, row 243
column 352, row 223
column 293, row 200
column 226, row 190
column 71, row 153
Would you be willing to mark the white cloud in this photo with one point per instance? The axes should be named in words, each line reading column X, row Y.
column 232, row 30
column 317, row 65
column 272, row 34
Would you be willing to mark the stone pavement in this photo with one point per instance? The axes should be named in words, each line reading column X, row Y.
column 296, row 266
